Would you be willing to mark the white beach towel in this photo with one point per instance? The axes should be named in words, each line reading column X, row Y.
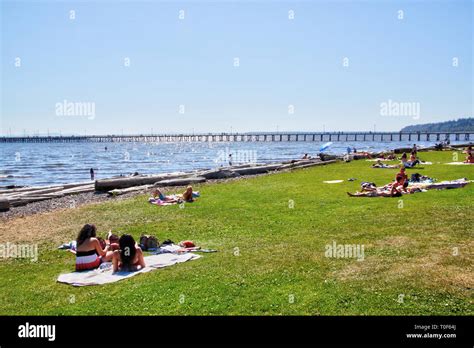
column 104, row 274
column 459, row 163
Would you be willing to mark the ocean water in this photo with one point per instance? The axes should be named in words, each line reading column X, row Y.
column 55, row 163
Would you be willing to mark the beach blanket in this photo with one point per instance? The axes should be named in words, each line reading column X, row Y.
column 459, row 163
column 104, row 274
column 387, row 166
column 333, row 181
column 448, row 184
column 416, row 187
column 173, row 248
column 160, row 202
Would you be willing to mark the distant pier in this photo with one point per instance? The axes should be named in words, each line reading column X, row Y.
column 250, row 137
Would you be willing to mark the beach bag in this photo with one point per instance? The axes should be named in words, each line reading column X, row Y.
column 167, row 242
column 415, row 177
column 148, row 242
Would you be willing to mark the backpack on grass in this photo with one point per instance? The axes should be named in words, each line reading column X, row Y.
column 148, row 242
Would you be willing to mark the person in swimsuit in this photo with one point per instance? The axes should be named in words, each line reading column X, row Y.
column 89, row 252
column 413, row 161
column 401, row 180
column 188, row 194
column 157, row 193
column 379, row 164
column 404, row 158
column 129, row 257
column 469, row 157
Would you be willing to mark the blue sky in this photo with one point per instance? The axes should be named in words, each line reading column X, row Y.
column 284, row 64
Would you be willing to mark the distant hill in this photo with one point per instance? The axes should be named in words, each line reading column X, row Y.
column 460, row 125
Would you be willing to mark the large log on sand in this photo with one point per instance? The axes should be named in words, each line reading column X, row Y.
column 130, row 181
column 181, row 181
column 78, row 189
column 4, row 204
column 36, row 192
column 218, row 174
column 306, row 164
column 403, row 149
column 15, row 202
column 26, row 189
column 257, row 169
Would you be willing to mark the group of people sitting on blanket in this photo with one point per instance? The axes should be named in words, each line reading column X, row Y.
column 405, row 163
column 394, row 189
column 409, row 163
column 124, row 252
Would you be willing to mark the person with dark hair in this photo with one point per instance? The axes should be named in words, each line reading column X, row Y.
column 129, row 257
column 91, row 171
column 401, row 181
column 404, row 158
column 469, row 157
column 89, row 252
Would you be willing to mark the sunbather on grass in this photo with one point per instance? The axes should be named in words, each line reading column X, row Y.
column 379, row 164
column 469, row 157
column 412, row 162
column 129, row 257
column 401, row 182
column 157, row 193
column 89, row 252
column 188, row 194
column 376, row 193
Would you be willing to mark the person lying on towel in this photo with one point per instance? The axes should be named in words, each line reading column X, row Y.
column 89, row 252
column 170, row 199
column 187, row 196
column 129, row 257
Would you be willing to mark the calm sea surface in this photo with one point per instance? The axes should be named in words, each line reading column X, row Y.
column 43, row 164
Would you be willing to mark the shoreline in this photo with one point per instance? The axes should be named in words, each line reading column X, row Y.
column 99, row 196
column 88, row 198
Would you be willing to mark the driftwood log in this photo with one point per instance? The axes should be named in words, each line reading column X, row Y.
column 218, row 174
column 79, row 189
column 131, row 181
column 256, row 169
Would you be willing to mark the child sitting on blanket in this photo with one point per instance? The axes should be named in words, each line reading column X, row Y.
column 129, row 257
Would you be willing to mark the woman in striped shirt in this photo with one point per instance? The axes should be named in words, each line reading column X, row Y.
column 89, row 252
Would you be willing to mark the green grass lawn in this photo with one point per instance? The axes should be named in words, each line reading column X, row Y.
column 271, row 260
